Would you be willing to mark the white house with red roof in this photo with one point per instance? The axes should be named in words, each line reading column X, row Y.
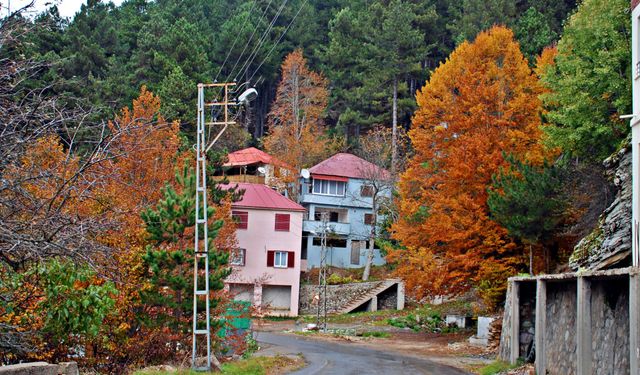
column 266, row 267
column 254, row 166
column 341, row 187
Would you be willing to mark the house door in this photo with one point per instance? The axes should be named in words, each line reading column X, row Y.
column 355, row 252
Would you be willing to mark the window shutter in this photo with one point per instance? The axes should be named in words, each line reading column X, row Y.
column 368, row 219
column 291, row 255
column 244, row 257
column 270, row 256
column 242, row 219
column 282, row 222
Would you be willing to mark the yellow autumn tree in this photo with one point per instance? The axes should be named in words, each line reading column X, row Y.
column 479, row 105
column 296, row 134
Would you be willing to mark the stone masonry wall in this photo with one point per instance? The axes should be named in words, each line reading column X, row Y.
column 338, row 296
column 610, row 326
column 560, row 340
column 505, row 337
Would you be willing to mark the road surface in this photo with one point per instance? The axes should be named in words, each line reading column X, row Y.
column 328, row 358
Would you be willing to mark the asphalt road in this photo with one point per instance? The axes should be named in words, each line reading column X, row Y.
column 328, row 358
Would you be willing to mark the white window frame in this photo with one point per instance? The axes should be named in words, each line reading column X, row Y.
column 238, row 254
column 328, row 184
column 283, row 255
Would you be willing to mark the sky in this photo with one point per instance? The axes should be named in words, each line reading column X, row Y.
column 67, row 8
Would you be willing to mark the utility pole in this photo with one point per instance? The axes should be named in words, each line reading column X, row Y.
column 201, row 293
column 322, row 275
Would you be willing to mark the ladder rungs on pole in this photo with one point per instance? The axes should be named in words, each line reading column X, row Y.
column 200, row 221
column 200, row 332
column 201, row 293
column 201, row 188
column 220, row 123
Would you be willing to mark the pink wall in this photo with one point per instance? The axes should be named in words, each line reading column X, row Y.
column 261, row 236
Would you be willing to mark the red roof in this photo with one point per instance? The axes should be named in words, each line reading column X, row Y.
column 348, row 165
column 249, row 156
column 634, row 4
column 263, row 197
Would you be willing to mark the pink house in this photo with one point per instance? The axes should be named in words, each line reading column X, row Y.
column 266, row 267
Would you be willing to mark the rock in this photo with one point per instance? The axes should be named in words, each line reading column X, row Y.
column 610, row 241
column 33, row 368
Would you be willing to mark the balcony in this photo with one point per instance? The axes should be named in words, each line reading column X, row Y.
column 334, row 227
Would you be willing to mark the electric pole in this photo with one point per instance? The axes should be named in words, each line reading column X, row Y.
column 322, row 275
column 201, row 292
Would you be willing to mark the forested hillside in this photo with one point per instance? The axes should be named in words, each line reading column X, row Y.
column 493, row 118
column 366, row 49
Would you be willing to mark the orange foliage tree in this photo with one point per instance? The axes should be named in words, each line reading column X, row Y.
column 145, row 152
column 479, row 105
column 295, row 120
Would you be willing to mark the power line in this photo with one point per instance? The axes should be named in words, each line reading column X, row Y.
column 254, row 53
column 279, row 39
column 249, row 41
column 235, row 40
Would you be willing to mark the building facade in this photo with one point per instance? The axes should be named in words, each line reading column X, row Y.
column 266, row 266
column 342, row 189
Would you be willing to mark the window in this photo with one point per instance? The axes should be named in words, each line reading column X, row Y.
column 282, row 222
column 331, row 242
column 326, row 187
column 237, row 257
column 368, row 219
column 333, row 216
column 241, row 218
column 280, row 259
column 366, row 190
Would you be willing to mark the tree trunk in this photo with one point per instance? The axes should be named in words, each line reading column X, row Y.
column 394, row 128
column 530, row 260
column 372, row 236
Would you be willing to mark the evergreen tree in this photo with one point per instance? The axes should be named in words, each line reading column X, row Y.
column 534, row 33
column 169, row 257
column 375, row 49
column 525, row 199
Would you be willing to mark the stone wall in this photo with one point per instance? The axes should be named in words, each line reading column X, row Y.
column 504, row 351
column 609, row 244
column 338, row 296
column 603, row 313
column 610, row 327
column 560, row 340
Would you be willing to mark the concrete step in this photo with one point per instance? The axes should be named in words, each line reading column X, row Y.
column 386, row 284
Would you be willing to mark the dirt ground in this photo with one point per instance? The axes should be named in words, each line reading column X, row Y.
column 450, row 349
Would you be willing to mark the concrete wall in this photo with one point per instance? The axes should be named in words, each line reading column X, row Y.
column 340, row 256
column 354, row 229
column 584, row 323
column 260, row 237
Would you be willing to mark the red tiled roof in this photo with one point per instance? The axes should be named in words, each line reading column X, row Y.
column 263, row 197
column 634, row 4
column 248, row 156
column 348, row 165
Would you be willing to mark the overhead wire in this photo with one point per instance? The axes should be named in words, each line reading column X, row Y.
column 235, row 40
column 279, row 39
column 248, row 42
column 255, row 50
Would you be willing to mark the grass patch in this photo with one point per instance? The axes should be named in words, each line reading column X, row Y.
column 251, row 366
column 496, row 367
column 377, row 334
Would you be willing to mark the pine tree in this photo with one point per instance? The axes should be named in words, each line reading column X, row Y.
column 169, row 256
column 525, row 199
